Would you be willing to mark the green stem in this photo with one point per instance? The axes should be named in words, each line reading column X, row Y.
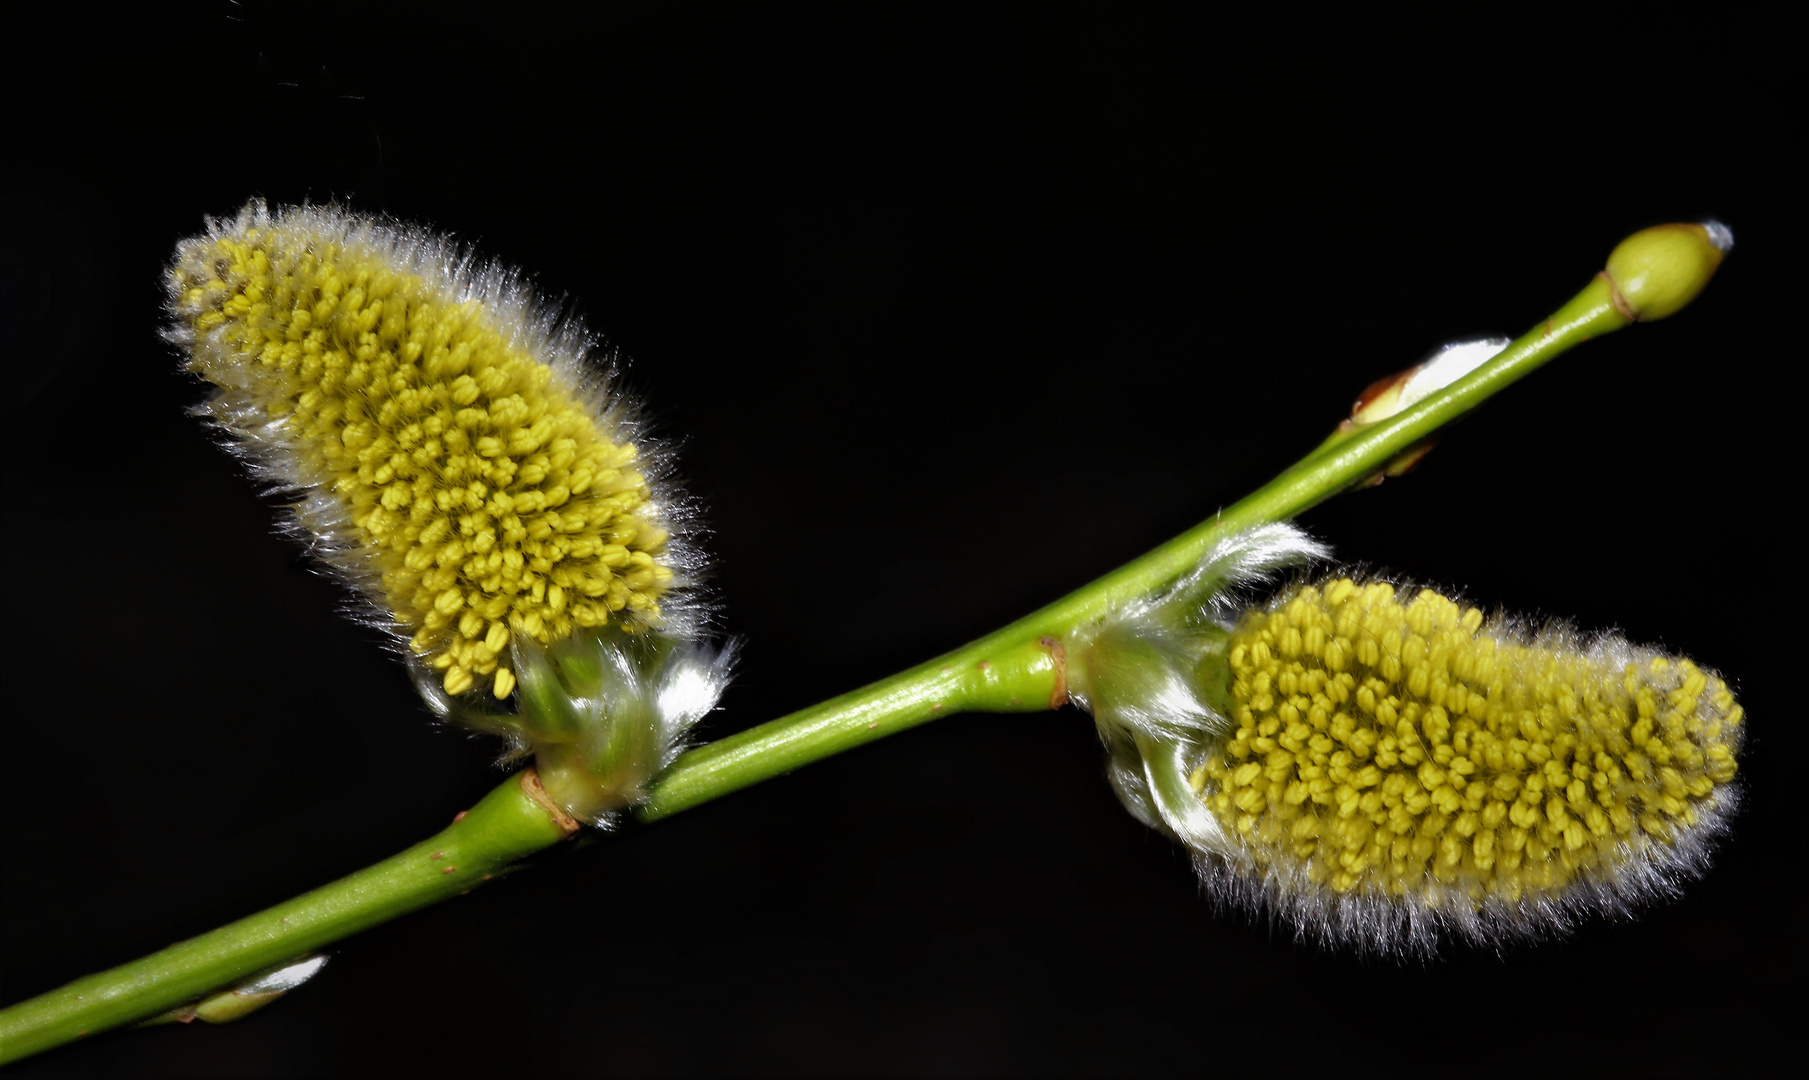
column 507, row 825
column 923, row 692
column 1019, row 668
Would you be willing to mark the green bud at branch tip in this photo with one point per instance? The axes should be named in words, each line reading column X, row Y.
column 1656, row 272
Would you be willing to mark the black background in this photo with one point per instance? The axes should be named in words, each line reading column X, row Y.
column 954, row 310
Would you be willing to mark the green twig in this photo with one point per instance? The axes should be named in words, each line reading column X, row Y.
column 1016, row 669
column 934, row 688
column 511, row 822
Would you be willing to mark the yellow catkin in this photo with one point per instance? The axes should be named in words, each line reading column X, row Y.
column 481, row 488
column 1386, row 747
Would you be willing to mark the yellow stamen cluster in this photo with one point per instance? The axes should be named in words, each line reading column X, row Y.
column 1385, row 748
column 477, row 484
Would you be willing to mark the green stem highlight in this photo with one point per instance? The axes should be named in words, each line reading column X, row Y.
column 1019, row 668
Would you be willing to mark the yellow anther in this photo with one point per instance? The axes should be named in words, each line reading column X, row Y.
column 458, row 680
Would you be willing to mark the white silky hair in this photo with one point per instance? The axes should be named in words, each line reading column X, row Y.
column 585, row 367
column 1444, row 366
column 677, row 691
column 660, row 684
column 1158, row 727
column 1174, row 623
column 1136, row 676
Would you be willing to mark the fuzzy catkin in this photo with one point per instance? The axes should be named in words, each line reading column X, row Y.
column 1383, row 768
column 454, row 454
column 1410, row 752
